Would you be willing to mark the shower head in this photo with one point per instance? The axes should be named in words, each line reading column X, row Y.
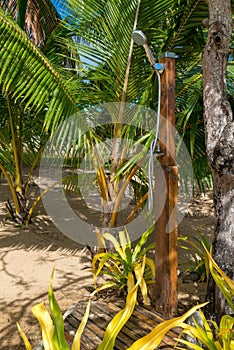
column 139, row 37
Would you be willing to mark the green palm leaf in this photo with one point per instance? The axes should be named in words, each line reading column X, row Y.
column 28, row 76
column 37, row 17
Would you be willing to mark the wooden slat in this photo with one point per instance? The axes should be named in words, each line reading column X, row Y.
column 141, row 322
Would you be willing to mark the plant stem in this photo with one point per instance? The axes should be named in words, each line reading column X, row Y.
column 18, row 168
column 12, row 188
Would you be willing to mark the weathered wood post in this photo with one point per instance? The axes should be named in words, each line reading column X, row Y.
column 166, row 260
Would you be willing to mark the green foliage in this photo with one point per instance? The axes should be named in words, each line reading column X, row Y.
column 223, row 282
column 154, row 338
column 34, row 98
column 53, row 328
column 122, row 317
column 122, row 265
column 209, row 336
column 195, row 247
column 107, row 47
column 37, row 81
column 58, row 333
column 89, row 58
column 53, row 331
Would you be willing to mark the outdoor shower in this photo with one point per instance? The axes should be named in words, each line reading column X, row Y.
column 166, row 182
column 140, row 39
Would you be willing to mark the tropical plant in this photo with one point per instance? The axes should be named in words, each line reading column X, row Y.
column 121, row 70
column 116, row 71
column 202, row 333
column 222, row 281
column 97, row 62
column 197, row 260
column 122, row 263
column 52, row 327
column 209, row 336
column 31, row 92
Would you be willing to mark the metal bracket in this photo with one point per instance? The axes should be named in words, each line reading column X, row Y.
column 159, row 67
column 168, row 55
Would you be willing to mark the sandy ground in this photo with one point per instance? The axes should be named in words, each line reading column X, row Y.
column 29, row 255
column 27, row 260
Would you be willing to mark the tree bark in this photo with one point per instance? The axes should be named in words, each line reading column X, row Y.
column 219, row 127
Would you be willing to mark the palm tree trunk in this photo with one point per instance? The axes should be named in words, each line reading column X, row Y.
column 18, row 189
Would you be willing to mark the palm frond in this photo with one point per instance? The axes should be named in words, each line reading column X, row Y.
column 37, row 17
column 186, row 34
column 27, row 76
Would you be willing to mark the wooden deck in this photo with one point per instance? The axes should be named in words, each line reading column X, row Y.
column 140, row 323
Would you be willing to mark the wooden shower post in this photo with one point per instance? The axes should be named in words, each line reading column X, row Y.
column 166, row 190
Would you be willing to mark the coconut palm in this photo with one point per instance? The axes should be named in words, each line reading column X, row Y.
column 118, row 71
column 103, row 65
column 31, row 91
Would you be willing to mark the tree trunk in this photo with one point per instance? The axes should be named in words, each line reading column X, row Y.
column 219, row 127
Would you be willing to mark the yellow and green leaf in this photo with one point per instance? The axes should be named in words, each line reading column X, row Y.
column 139, row 272
column 149, row 262
column 189, row 345
column 77, row 338
column 24, row 337
column 101, row 242
column 116, row 244
column 121, row 318
column 223, row 282
column 138, row 249
column 130, row 281
column 58, row 334
column 103, row 257
column 41, row 313
column 154, row 338
column 123, row 240
column 226, row 332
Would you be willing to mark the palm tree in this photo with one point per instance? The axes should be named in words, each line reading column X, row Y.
column 31, row 92
column 117, row 71
column 219, row 128
column 105, row 66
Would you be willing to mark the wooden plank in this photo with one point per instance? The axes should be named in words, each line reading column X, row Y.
column 156, row 318
column 141, row 322
column 131, row 329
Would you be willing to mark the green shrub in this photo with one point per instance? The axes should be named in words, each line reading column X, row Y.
column 195, row 246
column 52, row 327
column 121, row 265
column 208, row 335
